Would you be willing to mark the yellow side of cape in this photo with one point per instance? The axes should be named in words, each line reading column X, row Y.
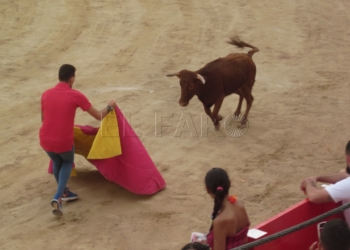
column 107, row 141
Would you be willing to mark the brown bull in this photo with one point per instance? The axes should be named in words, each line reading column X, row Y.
column 234, row 73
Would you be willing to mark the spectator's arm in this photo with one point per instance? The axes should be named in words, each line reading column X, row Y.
column 315, row 194
column 220, row 233
column 332, row 178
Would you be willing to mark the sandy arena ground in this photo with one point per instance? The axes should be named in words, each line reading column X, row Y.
column 299, row 122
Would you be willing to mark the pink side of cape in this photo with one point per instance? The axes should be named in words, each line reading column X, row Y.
column 133, row 169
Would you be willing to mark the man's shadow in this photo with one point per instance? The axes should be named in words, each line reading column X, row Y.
column 90, row 184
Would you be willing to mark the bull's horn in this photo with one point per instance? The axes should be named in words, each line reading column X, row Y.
column 201, row 78
column 175, row 74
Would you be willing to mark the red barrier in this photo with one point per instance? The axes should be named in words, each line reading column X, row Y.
column 298, row 213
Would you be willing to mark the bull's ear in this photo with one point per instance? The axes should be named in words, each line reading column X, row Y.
column 201, row 78
column 175, row 74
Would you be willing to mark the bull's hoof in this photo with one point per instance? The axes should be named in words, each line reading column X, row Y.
column 243, row 123
column 237, row 113
column 241, row 126
column 217, row 126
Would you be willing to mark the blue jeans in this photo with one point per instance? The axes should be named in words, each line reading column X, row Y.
column 62, row 166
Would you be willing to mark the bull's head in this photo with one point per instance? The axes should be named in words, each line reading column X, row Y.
column 190, row 82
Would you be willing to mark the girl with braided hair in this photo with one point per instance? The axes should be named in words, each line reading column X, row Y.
column 230, row 222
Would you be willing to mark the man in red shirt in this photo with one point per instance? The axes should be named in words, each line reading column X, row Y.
column 58, row 106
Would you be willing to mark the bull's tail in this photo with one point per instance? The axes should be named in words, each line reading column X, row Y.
column 240, row 44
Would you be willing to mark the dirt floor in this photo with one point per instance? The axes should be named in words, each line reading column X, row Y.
column 298, row 126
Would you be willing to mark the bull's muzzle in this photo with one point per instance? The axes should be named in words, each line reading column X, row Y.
column 183, row 104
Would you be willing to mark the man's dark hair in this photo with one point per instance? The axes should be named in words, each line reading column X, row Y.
column 66, row 72
column 335, row 235
column 195, row 246
column 347, row 149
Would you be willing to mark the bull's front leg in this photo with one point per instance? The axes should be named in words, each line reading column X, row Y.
column 216, row 118
column 207, row 110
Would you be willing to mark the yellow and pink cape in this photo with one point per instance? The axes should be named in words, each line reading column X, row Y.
column 118, row 154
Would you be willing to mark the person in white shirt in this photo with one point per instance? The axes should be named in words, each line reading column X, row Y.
column 339, row 191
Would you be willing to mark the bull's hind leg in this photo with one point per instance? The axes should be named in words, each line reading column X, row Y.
column 238, row 110
column 247, row 92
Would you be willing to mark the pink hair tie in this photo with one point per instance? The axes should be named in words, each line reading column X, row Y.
column 219, row 188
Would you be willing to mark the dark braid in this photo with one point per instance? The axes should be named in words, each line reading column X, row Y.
column 218, row 200
column 218, row 183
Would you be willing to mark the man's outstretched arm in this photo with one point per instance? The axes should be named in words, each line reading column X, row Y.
column 99, row 115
